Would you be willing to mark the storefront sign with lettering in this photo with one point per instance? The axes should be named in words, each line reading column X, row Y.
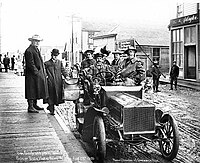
column 190, row 19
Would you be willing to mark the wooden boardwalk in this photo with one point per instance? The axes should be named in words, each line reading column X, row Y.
column 26, row 137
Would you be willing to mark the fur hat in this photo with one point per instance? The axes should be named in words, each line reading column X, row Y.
column 130, row 48
column 55, row 52
column 35, row 37
column 105, row 51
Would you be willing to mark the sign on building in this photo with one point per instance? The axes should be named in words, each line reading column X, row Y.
column 123, row 45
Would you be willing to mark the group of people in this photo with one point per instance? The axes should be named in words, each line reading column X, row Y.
column 128, row 69
column 43, row 80
column 13, row 63
column 156, row 73
column 6, row 63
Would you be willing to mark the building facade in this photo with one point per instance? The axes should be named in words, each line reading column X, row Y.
column 149, row 53
column 185, row 41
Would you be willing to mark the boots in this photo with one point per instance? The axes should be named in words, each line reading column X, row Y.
column 51, row 108
column 35, row 105
column 31, row 108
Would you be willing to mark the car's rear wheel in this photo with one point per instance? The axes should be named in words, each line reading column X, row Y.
column 169, row 143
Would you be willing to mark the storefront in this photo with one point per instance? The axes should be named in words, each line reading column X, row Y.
column 185, row 46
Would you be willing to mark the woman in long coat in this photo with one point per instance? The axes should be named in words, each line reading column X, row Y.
column 55, row 70
column 35, row 76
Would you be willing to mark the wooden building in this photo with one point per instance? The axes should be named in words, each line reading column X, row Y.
column 185, row 41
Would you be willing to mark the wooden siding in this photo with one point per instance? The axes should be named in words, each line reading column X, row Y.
column 189, row 8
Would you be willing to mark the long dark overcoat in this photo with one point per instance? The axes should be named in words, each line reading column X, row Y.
column 55, row 70
column 35, row 75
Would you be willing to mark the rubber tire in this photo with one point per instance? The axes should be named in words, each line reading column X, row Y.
column 79, row 126
column 100, row 144
column 175, row 138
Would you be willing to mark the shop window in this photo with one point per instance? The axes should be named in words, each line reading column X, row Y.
column 190, row 35
column 177, row 46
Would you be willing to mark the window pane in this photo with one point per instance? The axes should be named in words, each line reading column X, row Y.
column 174, row 36
column 156, row 52
column 181, row 60
column 181, row 34
column 187, row 38
column 193, row 34
column 174, row 48
column 178, row 35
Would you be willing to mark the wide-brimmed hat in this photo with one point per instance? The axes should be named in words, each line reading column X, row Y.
column 88, row 51
column 117, row 52
column 98, row 55
column 105, row 51
column 130, row 48
column 55, row 52
column 35, row 37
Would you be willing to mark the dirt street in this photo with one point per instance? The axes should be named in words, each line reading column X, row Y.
column 184, row 105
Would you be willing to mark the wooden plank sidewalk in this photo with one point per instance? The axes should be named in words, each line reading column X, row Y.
column 26, row 137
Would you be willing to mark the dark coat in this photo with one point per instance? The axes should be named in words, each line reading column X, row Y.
column 155, row 72
column 35, row 75
column 174, row 73
column 55, row 70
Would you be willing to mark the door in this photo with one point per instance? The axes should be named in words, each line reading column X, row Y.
column 190, row 53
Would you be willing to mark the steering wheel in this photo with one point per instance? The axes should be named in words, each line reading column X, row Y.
column 104, row 78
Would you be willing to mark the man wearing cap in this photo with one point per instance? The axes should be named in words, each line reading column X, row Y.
column 117, row 58
column 89, row 60
column 100, row 66
column 156, row 76
column 131, row 68
column 174, row 73
column 35, row 75
column 55, row 70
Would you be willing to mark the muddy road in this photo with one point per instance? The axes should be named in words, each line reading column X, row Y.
column 183, row 104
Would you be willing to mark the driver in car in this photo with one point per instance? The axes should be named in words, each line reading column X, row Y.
column 100, row 71
column 131, row 68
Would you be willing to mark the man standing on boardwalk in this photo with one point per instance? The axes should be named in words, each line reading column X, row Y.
column 35, row 75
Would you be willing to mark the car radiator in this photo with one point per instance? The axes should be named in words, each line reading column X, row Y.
column 139, row 118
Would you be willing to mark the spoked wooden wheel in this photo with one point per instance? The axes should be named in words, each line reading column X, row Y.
column 169, row 135
column 99, row 139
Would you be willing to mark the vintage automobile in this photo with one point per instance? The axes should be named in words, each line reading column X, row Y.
column 108, row 113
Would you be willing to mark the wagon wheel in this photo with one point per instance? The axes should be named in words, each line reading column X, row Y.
column 169, row 143
column 99, row 139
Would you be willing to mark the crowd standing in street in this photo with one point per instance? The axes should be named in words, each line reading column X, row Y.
column 35, row 75
column 55, row 70
column 174, row 73
column 156, row 76
column 6, row 62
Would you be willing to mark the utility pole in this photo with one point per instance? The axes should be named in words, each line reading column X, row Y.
column 72, row 50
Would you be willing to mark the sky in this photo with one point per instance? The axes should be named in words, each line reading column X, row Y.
column 50, row 19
